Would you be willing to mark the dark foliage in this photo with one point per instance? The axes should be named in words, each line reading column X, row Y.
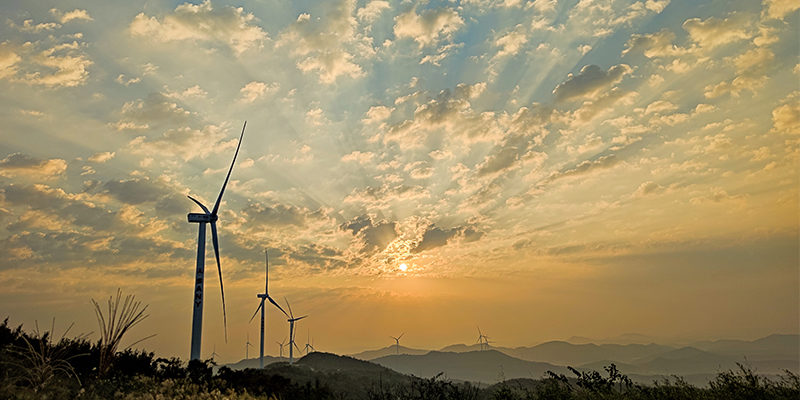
column 70, row 370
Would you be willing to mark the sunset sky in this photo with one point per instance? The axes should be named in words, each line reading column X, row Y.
column 544, row 169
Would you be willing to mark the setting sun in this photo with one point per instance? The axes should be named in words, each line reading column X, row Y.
column 403, row 267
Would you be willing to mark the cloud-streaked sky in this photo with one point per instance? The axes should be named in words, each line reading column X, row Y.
column 544, row 169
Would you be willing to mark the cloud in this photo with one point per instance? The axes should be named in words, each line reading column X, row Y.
column 278, row 215
column 202, row 22
column 155, row 109
column 512, row 42
column 362, row 158
column 372, row 235
column 255, row 90
column 62, row 65
column 589, row 81
column 8, row 60
column 185, row 142
column 777, row 9
column 586, row 167
column 786, row 118
column 74, row 15
column 102, row 157
column 714, row 32
column 372, row 10
column 29, row 26
column 21, row 164
column 429, row 27
column 434, row 237
column 654, row 45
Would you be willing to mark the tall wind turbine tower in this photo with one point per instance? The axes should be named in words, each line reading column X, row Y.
column 264, row 296
column 281, row 344
column 397, row 341
column 207, row 217
column 483, row 340
column 292, row 320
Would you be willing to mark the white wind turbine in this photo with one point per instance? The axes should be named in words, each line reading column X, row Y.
column 292, row 320
column 207, row 217
column 281, row 344
column 264, row 296
column 397, row 341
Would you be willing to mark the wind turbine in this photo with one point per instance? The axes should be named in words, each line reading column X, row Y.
column 214, row 352
column 207, row 217
column 309, row 345
column 264, row 296
column 482, row 339
column 247, row 347
column 292, row 320
column 281, row 346
column 397, row 341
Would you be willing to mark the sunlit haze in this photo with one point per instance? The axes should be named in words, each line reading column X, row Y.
column 542, row 169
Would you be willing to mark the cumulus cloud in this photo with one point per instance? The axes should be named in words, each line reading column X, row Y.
column 102, row 157
column 74, row 15
column 202, row 22
column 185, row 143
column 373, row 235
column 8, row 60
column 255, row 90
column 435, row 236
column 786, row 118
column 589, row 81
column 372, row 10
column 429, row 27
column 17, row 164
column 328, row 46
column 777, row 9
column 653, row 45
column 512, row 42
column 62, row 65
column 155, row 109
column 713, row 32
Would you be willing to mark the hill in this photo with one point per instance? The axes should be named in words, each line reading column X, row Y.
column 476, row 366
column 387, row 351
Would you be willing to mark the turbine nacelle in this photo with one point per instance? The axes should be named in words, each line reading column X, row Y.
column 202, row 218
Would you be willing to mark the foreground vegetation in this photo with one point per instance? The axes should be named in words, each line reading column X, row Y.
column 37, row 365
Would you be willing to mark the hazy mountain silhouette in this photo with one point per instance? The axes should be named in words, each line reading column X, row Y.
column 563, row 353
column 387, row 351
column 253, row 362
column 772, row 347
column 476, row 366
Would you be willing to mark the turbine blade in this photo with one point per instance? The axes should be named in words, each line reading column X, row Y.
column 298, row 319
column 199, row 204
column 276, row 305
column 222, row 191
column 215, row 242
column 401, row 335
column 291, row 315
column 258, row 308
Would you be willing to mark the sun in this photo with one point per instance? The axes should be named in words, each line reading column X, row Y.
column 403, row 267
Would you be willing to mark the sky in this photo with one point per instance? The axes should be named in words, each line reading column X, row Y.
column 540, row 169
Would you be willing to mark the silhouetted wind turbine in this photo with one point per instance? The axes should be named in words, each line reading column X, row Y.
column 202, row 219
column 309, row 345
column 264, row 296
column 292, row 320
column 247, row 347
column 281, row 346
column 397, row 341
column 482, row 339
column 214, row 352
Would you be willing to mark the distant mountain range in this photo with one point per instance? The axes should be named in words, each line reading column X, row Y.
column 644, row 363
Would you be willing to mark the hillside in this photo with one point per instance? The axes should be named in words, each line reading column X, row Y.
column 387, row 351
column 476, row 366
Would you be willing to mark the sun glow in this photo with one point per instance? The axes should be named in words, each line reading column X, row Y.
column 403, row 267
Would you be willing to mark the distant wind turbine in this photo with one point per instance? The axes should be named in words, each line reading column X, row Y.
column 281, row 346
column 247, row 347
column 292, row 320
column 397, row 341
column 482, row 339
column 264, row 296
column 202, row 219
column 214, row 352
column 309, row 345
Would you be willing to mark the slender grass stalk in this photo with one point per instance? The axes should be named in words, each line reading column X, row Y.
column 120, row 316
column 41, row 360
